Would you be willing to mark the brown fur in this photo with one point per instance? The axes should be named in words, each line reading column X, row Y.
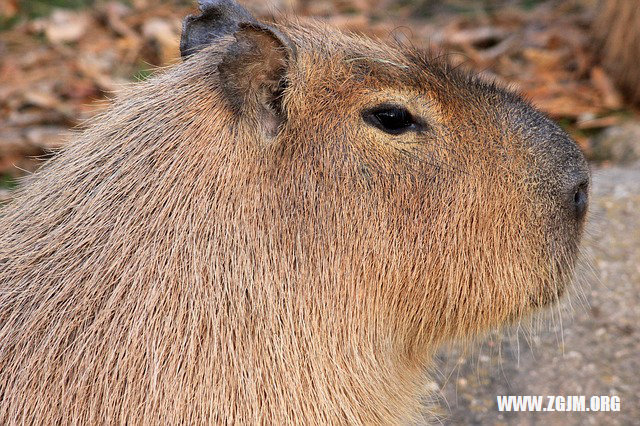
column 180, row 264
column 617, row 27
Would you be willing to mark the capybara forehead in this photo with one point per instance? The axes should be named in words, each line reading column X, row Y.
column 329, row 57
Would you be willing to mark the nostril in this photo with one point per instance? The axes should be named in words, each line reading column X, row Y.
column 580, row 200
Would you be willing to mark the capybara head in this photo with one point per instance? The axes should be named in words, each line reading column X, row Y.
column 280, row 229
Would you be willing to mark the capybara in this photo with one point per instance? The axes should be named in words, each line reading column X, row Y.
column 617, row 30
column 279, row 230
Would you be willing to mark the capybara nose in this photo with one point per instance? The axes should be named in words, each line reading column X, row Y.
column 579, row 197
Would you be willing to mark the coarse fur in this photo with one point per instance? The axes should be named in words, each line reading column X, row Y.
column 182, row 263
column 617, row 29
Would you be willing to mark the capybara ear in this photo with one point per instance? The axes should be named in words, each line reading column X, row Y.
column 253, row 73
column 218, row 18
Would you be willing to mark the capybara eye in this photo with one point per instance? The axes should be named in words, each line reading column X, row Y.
column 580, row 200
column 392, row 119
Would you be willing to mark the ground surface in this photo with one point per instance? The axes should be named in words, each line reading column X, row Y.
column 593, row 351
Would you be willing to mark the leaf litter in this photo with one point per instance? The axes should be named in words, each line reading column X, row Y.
column 57, row 70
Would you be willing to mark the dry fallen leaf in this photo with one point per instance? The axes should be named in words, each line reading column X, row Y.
column 64, row 26
column 166, row 36
column 54, row 82
column 546, row 59
column 8, row 8
column 597, row 123
column 48, row 137
column 611, row 98
column 477, row 36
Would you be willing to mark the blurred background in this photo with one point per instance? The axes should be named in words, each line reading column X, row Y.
column 577, row 60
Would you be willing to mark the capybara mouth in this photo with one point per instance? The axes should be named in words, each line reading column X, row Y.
column 559, row 279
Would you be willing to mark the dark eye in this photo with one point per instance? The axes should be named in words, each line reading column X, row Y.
column 391, row 119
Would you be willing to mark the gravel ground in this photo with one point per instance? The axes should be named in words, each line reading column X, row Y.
column 589, row 346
